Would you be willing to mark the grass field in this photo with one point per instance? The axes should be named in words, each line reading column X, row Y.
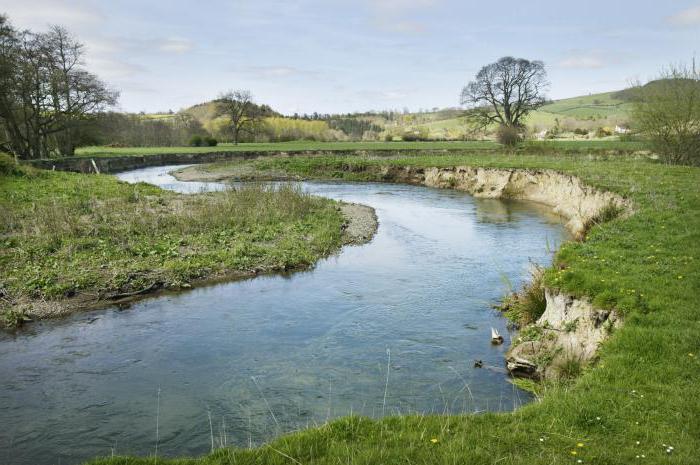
column 81, row 240
column 584, row 111
column 301, row 146
column 589, row 106
column 641, row 397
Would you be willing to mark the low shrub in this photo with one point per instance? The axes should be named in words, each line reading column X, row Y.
column 416, row 135
column 527, row 305
column 211, row 142
column 581, row 132
column 196, row 141
column 8, row 165
column 603, row 132
column 508, row 135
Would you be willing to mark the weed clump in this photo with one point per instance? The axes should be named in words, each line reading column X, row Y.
column 527, row 305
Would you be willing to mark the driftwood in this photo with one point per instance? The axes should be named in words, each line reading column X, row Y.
column 124, row 295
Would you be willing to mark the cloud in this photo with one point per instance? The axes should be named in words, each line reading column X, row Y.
column 582, row 62
column 112, row 68
column 404, row 27
column 689, row 17
column 37, row 15
column 273, row 72
column 394, row 15
column 399, row 5
column 175, row 45
column 383, row 95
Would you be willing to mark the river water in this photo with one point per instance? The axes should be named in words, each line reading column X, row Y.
column 390, row 327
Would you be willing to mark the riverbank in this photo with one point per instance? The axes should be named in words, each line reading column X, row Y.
column 73, row 242
column 639, row 397
column 560, row 336
column 117, row 159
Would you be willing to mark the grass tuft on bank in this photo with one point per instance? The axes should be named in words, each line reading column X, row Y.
column 71, row 241
column 639, row 398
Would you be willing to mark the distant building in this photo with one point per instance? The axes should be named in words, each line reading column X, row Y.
column 621, row 130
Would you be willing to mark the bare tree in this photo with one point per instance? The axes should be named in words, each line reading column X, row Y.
column 504, row 92
column 667, row 112
column 75, row 93
column 45, row 93
column 238, row 105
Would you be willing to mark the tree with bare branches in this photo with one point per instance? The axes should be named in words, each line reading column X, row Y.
column 45, row 92
column 504, row 92
column 239, row 107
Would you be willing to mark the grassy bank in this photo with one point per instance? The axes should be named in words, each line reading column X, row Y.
column 640, row 398
column 300, row 146
column 71, row 241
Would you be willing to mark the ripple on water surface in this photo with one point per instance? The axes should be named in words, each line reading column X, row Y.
column 277, row 353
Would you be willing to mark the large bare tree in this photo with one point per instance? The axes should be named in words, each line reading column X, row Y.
column 45, row 92
column 244, row 114
column 504, row 92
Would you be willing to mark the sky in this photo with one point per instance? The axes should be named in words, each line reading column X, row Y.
column 334, row 56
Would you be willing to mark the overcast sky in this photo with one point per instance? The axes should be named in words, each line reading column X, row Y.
column 356, row 55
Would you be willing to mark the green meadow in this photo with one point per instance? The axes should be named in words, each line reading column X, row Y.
column 638, row 403
column 412, row 147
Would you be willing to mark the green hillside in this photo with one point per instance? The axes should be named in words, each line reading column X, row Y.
column 594, row 106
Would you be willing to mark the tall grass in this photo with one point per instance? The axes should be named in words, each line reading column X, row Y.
column 63, row 234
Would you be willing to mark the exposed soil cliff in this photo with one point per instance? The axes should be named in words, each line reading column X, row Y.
column 569, row 332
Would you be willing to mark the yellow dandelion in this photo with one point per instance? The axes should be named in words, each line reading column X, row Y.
column 434, row 440
column 573, row 452
column 580, row 444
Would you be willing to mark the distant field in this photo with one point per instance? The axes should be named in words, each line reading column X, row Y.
column 564, row 145
column 289, row 146
column 590, row 106
column 589, row 111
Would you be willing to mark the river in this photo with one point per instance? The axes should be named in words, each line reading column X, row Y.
column 386, row 328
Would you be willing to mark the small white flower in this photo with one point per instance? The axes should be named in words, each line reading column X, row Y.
column 638, row 443
column 644, row 456
column 597, row 418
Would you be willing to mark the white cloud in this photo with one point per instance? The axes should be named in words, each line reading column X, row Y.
column 273, row 72
column 175, row 45
column 398, row 5
column 689, row 17
column 582, row 62
column 383, row 95
column 392, row 15
column 37, row 15
column 404, row 27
